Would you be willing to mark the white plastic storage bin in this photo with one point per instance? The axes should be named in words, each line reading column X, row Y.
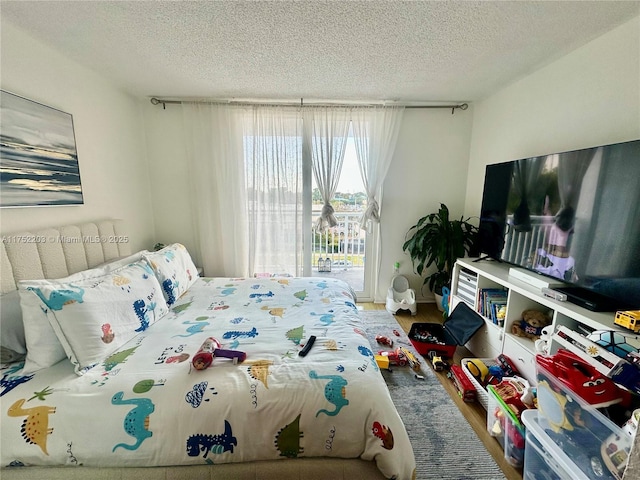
column 481, row 392
column 598, row 448
column 503, row 424
column 543, row 458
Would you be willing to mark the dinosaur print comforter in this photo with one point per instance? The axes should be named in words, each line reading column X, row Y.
column 146, row 405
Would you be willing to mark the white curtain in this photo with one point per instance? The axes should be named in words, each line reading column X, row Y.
column 273, row 159
column 375, row 132
column 326, row 131
column 213, row 140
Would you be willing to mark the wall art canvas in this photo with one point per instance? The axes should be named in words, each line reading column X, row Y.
column 38, row 157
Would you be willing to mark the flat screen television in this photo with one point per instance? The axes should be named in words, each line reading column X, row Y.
column 572, row 216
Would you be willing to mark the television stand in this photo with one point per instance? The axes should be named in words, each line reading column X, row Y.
column 487, row 257
column 590, row 300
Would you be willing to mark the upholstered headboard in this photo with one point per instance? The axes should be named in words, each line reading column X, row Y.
column 60, row 251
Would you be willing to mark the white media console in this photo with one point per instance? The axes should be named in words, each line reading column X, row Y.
column 523, row 293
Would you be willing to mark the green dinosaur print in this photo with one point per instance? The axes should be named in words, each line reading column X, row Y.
column 296, row 334
column 117, row 358
column 182, row 307
column 301, row 295
column 288, row 439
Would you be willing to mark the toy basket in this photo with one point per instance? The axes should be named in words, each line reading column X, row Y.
column 481, row 392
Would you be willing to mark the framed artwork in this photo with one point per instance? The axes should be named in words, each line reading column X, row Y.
column 38, row 157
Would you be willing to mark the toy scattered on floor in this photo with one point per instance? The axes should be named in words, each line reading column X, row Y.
column 383, row 362
column 531, row 324
column 465, row 388
column 437, row 362
column 210, row 349
column 400, row 357
column 382, row 340
column 411, row 358
column 395, row 357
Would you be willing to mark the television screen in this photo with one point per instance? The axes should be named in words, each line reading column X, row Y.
column 573, row 216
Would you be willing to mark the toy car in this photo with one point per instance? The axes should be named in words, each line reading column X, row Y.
column 396, row 357
column 382, row 340
column 628, row 319
column 581, row 377
column 438, row 363
column 465, row 388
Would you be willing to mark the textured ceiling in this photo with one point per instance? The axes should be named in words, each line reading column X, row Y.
column 416, row 51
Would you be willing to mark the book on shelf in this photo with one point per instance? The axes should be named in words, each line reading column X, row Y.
column 490, row 301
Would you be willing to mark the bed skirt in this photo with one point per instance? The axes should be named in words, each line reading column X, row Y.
column 285, row 469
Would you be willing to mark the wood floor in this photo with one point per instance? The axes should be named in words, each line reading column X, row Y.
column 473, row 412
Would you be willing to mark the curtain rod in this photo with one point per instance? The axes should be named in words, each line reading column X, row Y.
column 160, row 101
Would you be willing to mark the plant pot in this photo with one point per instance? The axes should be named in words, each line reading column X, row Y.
column 439, row 302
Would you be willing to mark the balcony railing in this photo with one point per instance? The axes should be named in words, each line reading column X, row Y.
column 343, row 245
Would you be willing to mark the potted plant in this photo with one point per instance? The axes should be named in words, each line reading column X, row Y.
column 438, row 240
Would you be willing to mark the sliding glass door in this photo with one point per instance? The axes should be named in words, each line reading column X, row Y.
column 341, row 251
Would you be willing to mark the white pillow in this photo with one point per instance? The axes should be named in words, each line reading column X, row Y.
column 93, row 317
column 11, row 327
column 42, row 345
column 175, row 270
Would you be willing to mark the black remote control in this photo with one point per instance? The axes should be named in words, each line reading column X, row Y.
column 308, row 346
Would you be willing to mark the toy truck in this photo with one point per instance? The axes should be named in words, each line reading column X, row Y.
column 465, row 388
column 628, row 319
column 437, row 362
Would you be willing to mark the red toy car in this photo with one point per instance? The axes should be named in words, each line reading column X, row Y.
column 581, row 377
column 396, row 357
column 382, row 340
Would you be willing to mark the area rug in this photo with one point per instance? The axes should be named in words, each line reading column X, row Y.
column 444, row 444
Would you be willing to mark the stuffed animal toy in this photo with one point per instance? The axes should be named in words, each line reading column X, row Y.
column 531, row 324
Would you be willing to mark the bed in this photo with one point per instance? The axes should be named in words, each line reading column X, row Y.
column 109, row 386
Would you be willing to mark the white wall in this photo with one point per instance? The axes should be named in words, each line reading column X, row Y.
column 587, row 98
column 109, row 139
column 171, row 188
column 429, row 167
